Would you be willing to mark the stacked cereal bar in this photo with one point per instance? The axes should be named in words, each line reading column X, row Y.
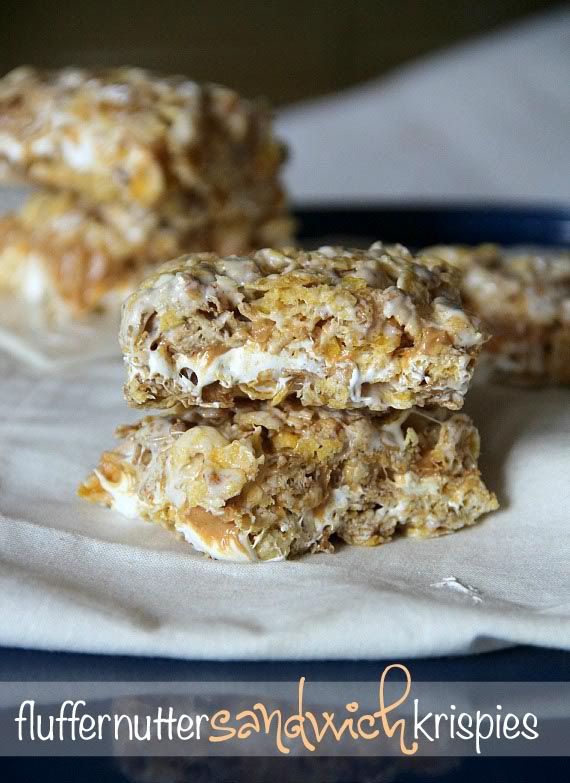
column 308, row 395
column 345, row 329
column 523, row 299
column 259, row 482
column 137, row 168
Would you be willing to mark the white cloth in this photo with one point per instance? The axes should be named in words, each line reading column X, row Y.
column 484, row 120
column 78, row 577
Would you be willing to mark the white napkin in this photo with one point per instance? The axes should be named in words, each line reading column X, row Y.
column 78, row 577
column 25, row 333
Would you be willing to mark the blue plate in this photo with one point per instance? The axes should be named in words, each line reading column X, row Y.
column 417, row 225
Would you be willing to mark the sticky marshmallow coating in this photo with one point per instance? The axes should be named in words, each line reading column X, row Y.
column 266, row 483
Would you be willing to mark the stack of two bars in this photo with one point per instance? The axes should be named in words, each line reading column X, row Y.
column 135, row 168
column 306, row 395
